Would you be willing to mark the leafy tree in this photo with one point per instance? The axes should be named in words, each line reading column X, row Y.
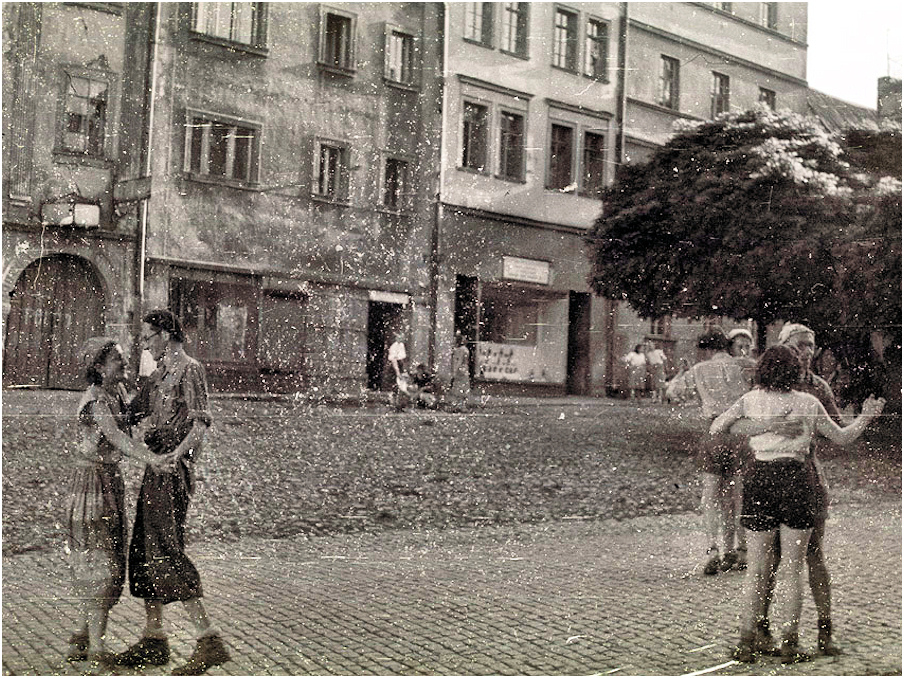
column 760, row 215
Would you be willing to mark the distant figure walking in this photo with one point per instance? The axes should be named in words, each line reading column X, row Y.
column 96, row 542
column 637, row 370
column 656, row 359
column 460, row 390
column 174, row 404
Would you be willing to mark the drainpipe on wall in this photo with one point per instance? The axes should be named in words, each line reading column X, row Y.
column 141, row 251
column 436, row 239
column 620, row 116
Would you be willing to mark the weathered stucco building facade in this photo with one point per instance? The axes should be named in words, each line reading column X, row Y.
column 271, row 178
column 300, row 181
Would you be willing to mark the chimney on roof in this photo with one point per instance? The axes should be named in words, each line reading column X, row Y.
column 888, row 103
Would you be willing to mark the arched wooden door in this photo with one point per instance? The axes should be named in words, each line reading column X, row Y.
column 56, row 304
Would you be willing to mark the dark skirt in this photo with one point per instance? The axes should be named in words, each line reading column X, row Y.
column 158, row 566
column 96, row 540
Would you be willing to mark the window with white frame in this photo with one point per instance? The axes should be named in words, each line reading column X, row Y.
column 331, row 170
column 565, row 40
column 596, row 49
column 514, row 27
column 767, row 96
column 240, row 22
column 83, row 128
column 561, row 158
column 396, row 184
column 479, row 22
column 577, row 156
column 221, row 148
column 337, row 39
column 669, row 82
column 511, row 145
column 593, row 166
column 399, row 64
column 720, row 94
column 769, row 14
column 475, row 136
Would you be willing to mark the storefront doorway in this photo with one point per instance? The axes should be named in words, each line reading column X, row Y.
column 56, row 304
column 384, row 319
column 577, row 380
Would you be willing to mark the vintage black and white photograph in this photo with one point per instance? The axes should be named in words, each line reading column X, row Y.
column 451, row 339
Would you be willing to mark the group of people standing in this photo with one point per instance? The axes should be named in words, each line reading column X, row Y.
column 764, row 491
column 162, row 428
column 417, row 385
column 646, row 368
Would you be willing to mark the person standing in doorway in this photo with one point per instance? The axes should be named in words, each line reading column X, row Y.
column 173, row 404
column 398, row 359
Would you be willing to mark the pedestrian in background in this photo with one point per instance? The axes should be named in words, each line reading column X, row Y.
column 95, row 516
column 780, row 494
column 460, row 388
column 740, row 343
column 398, row 358
column 719, row 380
column 656, row 360
column 174, row 405
column 637, row 370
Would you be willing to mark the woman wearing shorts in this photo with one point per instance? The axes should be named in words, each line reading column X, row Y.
column 780, row 495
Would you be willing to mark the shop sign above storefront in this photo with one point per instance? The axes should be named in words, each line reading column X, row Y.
column 526, row 270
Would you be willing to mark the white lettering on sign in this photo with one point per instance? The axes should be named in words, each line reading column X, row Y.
column 528, row 270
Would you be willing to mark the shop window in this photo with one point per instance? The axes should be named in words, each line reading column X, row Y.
column 594, row 165
column 221, row 149
column 514, row 27
column 511, row 146
column 720, row 94
column 399, row 65
column 337, row 40
column 508, row 319
column 479, row 23
column 475, row 130
column 83, row 127
column 596, row 50
column 767, row 96
column 668, row 83
column 396, row 184
column 239, row 22
column 331, row 170
column 561, row 158
column 565, row 40
column 218, row 318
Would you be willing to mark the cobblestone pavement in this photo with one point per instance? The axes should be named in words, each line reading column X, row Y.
column 566, row 598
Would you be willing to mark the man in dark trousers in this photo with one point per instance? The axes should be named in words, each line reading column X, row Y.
column 173, row 403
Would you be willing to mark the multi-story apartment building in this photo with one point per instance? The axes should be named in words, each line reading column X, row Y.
column 529, row 119
column 266, row 170
column 695, row 60
column 69, row 261
column 299, row 181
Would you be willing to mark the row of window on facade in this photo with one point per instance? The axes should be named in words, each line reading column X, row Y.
column 244, row 23
column 767, row 12
column 720, row 90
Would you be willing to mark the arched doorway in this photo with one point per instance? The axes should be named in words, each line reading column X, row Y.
column 57, row 303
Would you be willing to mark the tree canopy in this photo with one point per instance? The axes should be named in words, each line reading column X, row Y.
column 759, row 215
